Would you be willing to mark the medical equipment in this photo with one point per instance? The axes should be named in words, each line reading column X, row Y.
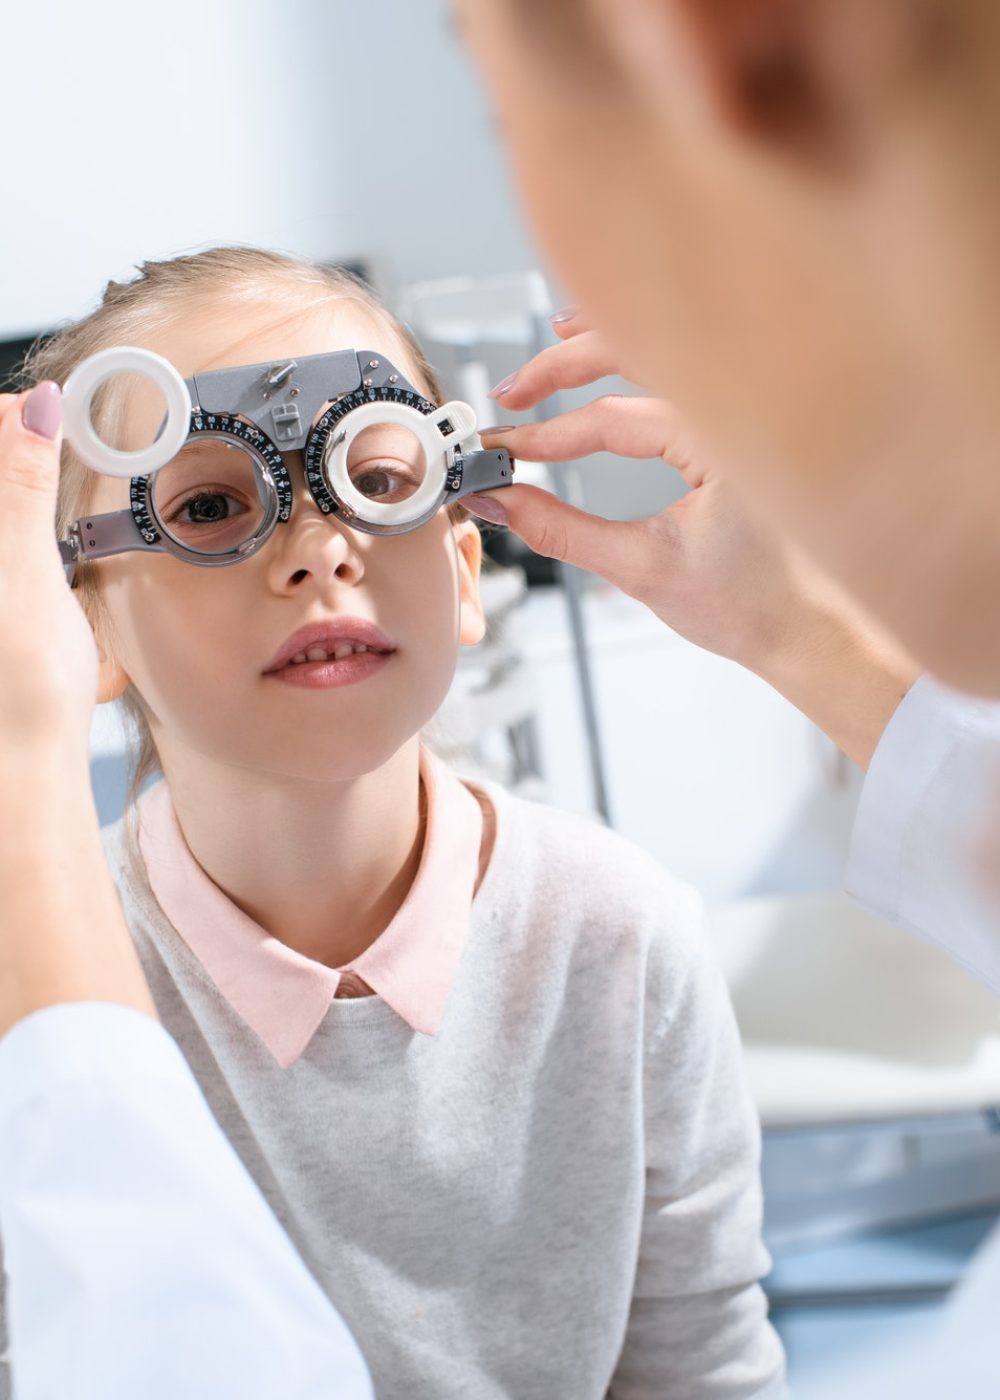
column 214, row 484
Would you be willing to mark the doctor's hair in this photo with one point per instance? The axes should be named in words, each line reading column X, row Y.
column 161, row 295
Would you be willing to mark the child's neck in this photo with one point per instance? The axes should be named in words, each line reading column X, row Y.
column 321, row 866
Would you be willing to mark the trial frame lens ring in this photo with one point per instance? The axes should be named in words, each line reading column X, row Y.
column 78, row 395
column 424, row 428
column 267, row 491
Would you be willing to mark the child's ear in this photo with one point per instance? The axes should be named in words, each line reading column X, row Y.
column 469, row 547
column 112, row 680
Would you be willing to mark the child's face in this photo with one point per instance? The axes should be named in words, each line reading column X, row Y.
column 198, row 642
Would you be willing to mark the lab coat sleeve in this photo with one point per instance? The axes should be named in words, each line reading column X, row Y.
column 141, row 1259
column 930, row 811
column 698, row 1325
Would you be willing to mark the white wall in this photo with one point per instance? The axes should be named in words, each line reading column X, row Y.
column 427, row 184
column 331, row 129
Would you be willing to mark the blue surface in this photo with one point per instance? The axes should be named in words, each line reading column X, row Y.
column 814, row 1338
column 933, row 1254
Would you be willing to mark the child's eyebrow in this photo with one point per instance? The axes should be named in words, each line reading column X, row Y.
column 199, row 446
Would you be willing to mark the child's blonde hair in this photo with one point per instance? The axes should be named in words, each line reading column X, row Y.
column 129, row 312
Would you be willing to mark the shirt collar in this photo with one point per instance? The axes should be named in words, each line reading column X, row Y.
column 283, row 995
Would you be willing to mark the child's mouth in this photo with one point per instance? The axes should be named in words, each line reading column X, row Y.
column 314, row 669
column 336, row 653
column 340, row 651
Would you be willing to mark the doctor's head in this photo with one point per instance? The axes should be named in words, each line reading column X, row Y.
column 202, row 655
column 786, row 215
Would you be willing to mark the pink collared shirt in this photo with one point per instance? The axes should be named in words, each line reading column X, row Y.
column 280, row 993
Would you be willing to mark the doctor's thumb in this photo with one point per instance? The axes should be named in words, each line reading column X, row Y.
column 30, row 433
column 559, row 531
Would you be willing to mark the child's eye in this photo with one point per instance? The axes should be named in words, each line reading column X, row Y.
column 385, row 483
column 210, row 498
column 209, row 508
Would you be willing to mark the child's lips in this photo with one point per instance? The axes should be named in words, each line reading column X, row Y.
column 333, row 641
column 332, row 671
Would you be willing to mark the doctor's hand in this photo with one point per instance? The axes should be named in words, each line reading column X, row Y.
column 48, row 656
column 724, row 580
column 62, row 933
column 719, row 578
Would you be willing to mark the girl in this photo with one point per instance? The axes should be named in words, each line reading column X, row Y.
column 474, row 1052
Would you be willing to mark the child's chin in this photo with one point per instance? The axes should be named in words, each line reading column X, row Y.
column 343, row 758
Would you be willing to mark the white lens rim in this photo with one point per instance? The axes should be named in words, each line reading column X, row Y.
column 78, row 395
column 426, row 428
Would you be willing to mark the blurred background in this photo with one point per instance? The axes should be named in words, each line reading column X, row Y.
column 359, row 136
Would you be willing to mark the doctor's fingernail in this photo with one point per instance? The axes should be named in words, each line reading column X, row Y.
column 499, row 428
column 42, row 411
column 486, row 508
column 504, row 387
column 568, row 313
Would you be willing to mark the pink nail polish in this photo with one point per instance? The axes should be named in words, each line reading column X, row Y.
column 486, row 508
column 42, row 411
column 504, row 387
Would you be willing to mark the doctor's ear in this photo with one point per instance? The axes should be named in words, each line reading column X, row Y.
column 469, row 547
column 788, row 73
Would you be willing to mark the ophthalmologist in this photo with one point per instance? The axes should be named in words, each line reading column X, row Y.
column 142, row 1261
column 782, row 218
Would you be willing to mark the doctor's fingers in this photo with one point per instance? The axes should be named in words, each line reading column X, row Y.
column 569, row 365
column 569, row 323
column 629, row 427
column 615, row 549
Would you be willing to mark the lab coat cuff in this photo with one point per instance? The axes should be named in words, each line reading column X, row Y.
column 914, row 748
column 919, row 849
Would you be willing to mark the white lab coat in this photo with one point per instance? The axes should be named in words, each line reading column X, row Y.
column 926, row 847
column 143, row 1262
column 926, row 855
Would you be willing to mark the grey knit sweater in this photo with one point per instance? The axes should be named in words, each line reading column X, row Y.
column 554, row 1198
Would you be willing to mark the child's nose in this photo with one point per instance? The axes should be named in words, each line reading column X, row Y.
column 312, row 547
